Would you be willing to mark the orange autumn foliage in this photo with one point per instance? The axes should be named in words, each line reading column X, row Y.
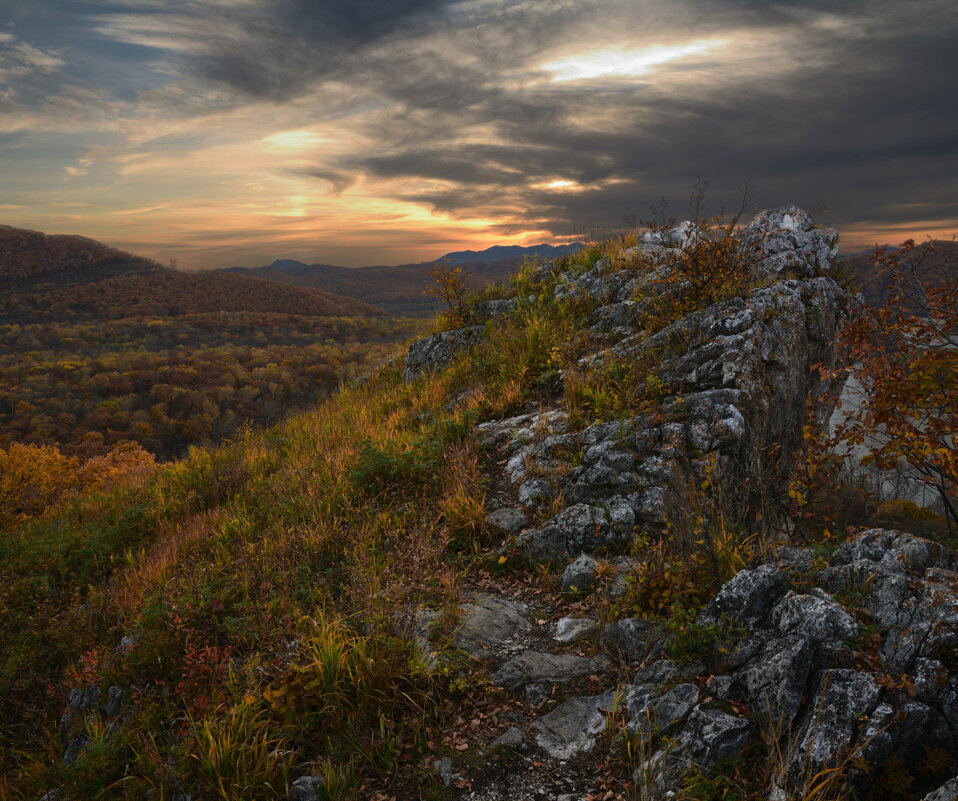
column 905, row 353
column 34, row 478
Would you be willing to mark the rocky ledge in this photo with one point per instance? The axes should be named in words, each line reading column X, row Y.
column 836, row 663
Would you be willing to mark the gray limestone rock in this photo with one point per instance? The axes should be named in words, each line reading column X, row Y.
column 817, row 618
column 711, row 736
column 632, row 636
column 572, row 727
column 829, row 724
column 569, row 629
column 947, row 792
column 663, row 714
column 437, row 350
column 444, row 767
column 75, row 746
column 116, row 700
column 493, row 309
column 488, row 622
column 659, row 672
column 508, row 520
column 86, row 698
column 579, row 573
column 785, row 240
column 535, row 667
column 749, row 594
column 306, row 788
column 511, row 738
column 776, row 678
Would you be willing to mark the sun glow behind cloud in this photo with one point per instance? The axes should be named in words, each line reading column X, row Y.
column 238, row 131
column 622, row 61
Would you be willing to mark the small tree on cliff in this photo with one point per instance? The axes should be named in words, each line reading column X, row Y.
column 450, row 287
column 905, row 355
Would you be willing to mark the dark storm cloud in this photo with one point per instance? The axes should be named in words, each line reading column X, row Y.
column 448, row 104
column 866, row 122
column 278, row 49
column 854, row 105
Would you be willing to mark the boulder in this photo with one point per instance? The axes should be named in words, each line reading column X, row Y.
column 579, row 573
column 511, row 738
column 664, row 713
column 570, row 629
column 830, row 723
column 437, row 350
column 508, row 520
column 747, row 596
column 488, row 622
column 572, row 727
column 711, row 736
column 535, row 667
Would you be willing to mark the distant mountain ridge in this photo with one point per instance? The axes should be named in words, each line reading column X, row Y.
column 499, row 252
column 401, row 289
column 62, row 278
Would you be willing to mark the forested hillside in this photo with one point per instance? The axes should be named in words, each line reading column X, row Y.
column 99, row 348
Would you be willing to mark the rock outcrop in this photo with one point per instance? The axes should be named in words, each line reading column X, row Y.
column 848, row 666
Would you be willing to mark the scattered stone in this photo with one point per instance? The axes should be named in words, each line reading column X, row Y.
column 572, row 727
column 447, row 774
column 488, row 622
column 535, row 667
column 511, row 738
column 579, row 573
column 508, row 520
column 569, row 629
column 306, row 788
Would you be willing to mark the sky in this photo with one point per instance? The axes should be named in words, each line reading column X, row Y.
column 355, row 132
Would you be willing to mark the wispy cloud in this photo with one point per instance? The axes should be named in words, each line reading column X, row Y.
column 260, row 125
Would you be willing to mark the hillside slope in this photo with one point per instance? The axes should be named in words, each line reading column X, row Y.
column 549, row 551
column 403, row 289
column 168, row 293
column 29, row 259
column 99, row 348
column 938, row 264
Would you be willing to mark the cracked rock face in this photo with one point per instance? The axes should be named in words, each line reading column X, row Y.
column 793, row 667
column 436, row 351
column 856, row 659
column 787, row 241
column 740, row 374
